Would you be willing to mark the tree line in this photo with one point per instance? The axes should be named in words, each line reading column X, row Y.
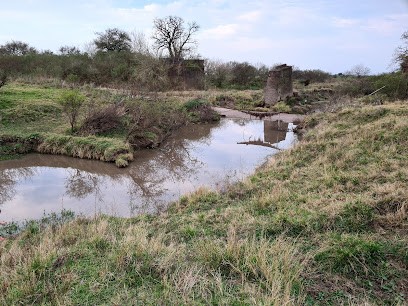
column 116, row 57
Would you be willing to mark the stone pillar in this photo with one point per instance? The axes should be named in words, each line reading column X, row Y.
column 404, row 65
column 279, row 85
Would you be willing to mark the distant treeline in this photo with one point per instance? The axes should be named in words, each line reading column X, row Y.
column 101, row 68
column 136, row 69
column 127, row 67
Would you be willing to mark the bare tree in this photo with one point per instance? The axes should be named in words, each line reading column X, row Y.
column 139, row 43
column 400, row 57
column 171, row 35
column 358, row 71
column 90, row 48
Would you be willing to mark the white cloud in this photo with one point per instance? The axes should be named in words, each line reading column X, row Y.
column 253, row 16
column 295, row 16
column 344, row 23
column 222, row 31
column 152, row 8
column 388, row 25
column 246, row 44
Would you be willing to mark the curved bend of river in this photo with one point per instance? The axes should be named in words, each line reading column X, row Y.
column 212, row 155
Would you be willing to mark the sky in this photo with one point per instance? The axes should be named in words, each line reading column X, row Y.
column 331, row 35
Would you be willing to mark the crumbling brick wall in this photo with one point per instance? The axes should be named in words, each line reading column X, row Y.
column 279, row 85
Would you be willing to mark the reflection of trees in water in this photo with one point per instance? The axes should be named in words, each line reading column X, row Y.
column 9, row 179
column 7, row 183
column 179, row 163
column 172, row 163
column 79, row 184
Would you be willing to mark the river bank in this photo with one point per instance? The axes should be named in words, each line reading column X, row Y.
column 322, row 223
column 110, row 127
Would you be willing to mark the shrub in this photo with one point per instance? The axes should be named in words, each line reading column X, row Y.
column 3, row 78
column 393, row 85
column 102, row 120
column 396, row 85
column 151, row 121
column 355, row 87
column 307, row 76
column 71, row 102
column 200, row 111
column 72, row 79
column 150, row 74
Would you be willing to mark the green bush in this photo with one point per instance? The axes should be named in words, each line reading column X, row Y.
column 71, row 102
column 200, row 111
column 315, row 75
column 396, row 85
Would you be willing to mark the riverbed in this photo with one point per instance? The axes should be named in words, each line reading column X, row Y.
column 212, row 155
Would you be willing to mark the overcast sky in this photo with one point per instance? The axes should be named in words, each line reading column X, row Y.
column 332, row 35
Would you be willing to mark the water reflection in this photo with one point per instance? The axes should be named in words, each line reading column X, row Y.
column 79, row 184
column 9, row 178
column 275, row 135
column 197, row 155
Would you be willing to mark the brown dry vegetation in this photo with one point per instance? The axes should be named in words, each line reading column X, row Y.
column 323, row 223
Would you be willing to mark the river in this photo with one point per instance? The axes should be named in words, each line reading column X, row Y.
column 212, row 155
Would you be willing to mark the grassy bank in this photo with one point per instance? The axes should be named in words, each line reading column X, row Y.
column 110, row 126
column 323, row 223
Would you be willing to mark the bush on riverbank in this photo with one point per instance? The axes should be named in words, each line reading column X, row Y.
column 200, row 110
column 322, row 223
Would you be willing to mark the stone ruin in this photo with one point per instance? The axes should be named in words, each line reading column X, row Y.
column 404, row 65
column 186, row 74
column 279, row 85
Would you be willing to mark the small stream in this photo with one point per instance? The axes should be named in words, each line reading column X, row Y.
column 212, row 155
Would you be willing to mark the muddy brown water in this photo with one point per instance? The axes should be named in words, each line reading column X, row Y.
column 212, row 155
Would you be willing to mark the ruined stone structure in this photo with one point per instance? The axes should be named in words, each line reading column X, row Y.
column 279, row 85
column 186, row 74
column 404, row 65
